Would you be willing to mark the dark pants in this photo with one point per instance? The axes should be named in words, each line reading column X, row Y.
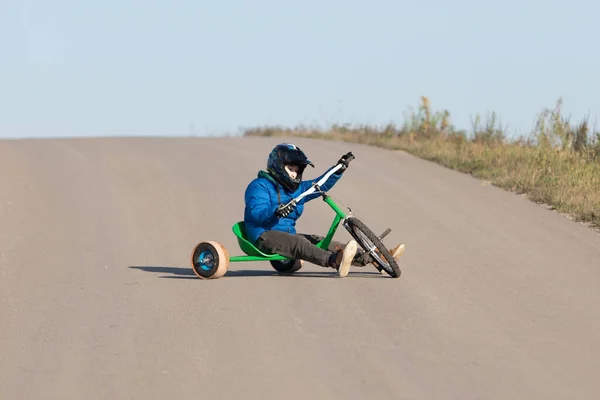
column 303, row 247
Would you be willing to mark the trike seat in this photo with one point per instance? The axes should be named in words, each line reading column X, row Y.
column 246, row 246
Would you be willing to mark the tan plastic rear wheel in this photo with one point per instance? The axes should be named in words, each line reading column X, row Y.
column 210, row 260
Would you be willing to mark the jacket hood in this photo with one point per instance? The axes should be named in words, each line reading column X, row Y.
column 266, row 175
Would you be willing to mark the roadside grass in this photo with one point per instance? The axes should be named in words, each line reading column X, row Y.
column 558, row 164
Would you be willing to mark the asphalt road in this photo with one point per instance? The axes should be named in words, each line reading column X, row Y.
column 498, row 298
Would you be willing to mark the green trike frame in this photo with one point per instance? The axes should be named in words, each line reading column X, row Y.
column 254, row 254
column 210, row 260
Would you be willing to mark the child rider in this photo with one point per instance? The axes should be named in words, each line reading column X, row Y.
column 270, row 225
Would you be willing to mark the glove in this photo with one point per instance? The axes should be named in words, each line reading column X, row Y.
column 345, row 161
column 285, row 209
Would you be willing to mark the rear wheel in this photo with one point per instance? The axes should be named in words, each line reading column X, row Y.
column 371, row 243
column 286, row 266
column 210, row 260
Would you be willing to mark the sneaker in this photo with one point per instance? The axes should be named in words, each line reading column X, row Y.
column 344, row 258
column 365, row 258
column 396, row 252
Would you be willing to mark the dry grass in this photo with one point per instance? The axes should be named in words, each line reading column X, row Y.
column 558, row 164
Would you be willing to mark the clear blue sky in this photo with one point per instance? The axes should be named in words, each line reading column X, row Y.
column 133, row 67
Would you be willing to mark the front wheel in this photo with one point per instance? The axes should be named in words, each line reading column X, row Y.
column 371, row 243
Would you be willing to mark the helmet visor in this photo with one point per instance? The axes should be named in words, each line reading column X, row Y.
column 292, row 155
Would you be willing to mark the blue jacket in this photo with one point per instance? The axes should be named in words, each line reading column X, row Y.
column 262, row 200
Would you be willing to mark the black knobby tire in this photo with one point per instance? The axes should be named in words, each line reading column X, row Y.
column 286, row 266
column 367, row 239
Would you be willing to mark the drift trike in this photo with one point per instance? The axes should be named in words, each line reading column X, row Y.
column 210, row 259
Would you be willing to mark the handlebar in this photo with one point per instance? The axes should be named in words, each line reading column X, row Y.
column 349, row 157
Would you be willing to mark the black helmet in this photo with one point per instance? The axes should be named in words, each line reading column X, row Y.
column 287, row 154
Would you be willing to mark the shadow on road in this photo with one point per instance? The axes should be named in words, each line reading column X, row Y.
column 187, row 273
